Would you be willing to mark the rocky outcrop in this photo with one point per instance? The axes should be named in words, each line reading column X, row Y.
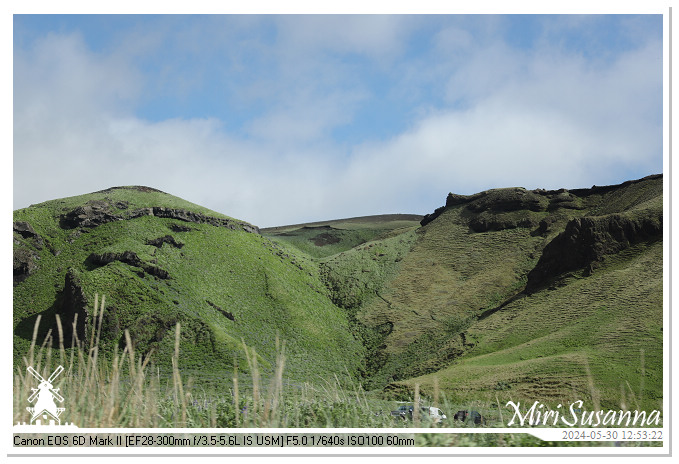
column 73, row 309
column 487, row 223
column 128, row 257
column 25, row 230
column 169, row 239
column 487, row 209
column 564, row 199
column 92, row 214
column 24, row 264
column 26, row 241
column 197, row 218
column 452, row 199
column 180, row 228
column 225, row 313
column 586, row 240
column 430, row 217
column 97, row 212
column 507, row 200
column 490, row 205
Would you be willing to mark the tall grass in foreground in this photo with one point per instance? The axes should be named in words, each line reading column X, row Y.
column 96, row 393
column 121, row 390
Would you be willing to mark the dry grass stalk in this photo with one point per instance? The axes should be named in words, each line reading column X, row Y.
column 235, row 392
column 416, row 406
column 179, row 388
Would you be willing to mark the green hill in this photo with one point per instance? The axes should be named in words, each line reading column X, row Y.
column 508, row 293
column 160, row 260
column 524, row 291
column 327, row 238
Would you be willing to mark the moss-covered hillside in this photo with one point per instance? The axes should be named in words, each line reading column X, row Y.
column 533, row 294
column 160, row 260
column 328, row 238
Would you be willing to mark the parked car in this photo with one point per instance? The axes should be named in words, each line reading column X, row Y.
column 405, row 411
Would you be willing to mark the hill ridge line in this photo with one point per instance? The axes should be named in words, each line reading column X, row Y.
column 394, row 217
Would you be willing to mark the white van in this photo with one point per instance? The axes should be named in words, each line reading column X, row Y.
column 436, row 414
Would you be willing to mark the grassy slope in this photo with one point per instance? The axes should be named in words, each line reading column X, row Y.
column 327, row 238
column 541, row 346
column 267, row 292
column 413, row 297
column 537, row 344
column 382, row 221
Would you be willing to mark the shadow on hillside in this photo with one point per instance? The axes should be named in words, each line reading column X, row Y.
column 48, row 326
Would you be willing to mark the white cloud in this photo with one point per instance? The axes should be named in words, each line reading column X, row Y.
column 59, row 73
column 305, row 117
column 378, row 36
column 556, row 124
column 538, row 119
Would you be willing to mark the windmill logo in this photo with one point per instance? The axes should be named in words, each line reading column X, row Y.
column 45, row 410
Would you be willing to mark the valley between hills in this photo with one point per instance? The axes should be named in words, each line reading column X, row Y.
column 539, row 295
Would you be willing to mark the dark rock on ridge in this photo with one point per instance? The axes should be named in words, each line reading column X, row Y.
column 24, row 264
column 94, row 213
column 492, row 222
column 587, row 240
column 225, row 313
column 198, row 218
column 180, row 228
column 26, row 231
column 128, row 257
column 430, row 217
column 486, row 210
column 169, row 239
column 506, row 200
column 25, row 257
column 454, row 199
column 564, row 199
column 73, row 309
column 98, row 212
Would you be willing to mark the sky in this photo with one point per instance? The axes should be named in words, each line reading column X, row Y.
column 284, row 119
